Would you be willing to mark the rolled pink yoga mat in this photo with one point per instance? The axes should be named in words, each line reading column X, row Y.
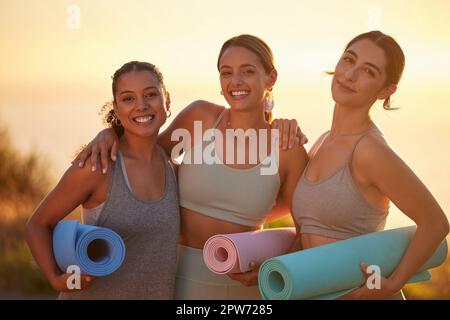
column 232, row 253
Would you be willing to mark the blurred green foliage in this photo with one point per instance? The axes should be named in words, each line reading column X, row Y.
column 24, row 181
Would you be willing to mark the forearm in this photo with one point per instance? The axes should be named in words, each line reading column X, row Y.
column 40, row 241
column 423, row 244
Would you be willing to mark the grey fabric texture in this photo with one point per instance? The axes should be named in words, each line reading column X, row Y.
column 150, row 230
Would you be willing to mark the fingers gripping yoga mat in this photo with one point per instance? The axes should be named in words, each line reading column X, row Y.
column 231, row 253
column 97, row 251
column 329, row 271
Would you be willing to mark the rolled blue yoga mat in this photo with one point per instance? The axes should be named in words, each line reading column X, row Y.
column 331, row 270
column 97, row 251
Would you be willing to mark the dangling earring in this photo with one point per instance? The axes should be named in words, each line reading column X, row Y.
column 269, row 101
column 168, row 113
column 117, row 122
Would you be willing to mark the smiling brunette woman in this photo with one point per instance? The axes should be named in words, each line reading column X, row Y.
column 135, row 198
column 353, row 174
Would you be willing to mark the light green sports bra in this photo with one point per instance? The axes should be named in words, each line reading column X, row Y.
column 241, row 196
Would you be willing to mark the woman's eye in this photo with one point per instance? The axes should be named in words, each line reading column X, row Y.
column 225, row 73
column 348, row 59
column 150, row 95
column 249, row 71
column 127, row 99
column 368, row 71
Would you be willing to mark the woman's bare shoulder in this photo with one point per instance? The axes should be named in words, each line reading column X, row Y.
column 374, row 150
column 202, row 110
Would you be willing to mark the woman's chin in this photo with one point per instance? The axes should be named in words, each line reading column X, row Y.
column 241, row 106
column 342, row 100
column 144, row 132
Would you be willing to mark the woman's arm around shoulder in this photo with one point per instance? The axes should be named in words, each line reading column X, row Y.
column 200, row 110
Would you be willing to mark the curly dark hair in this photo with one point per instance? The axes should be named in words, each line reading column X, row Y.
column 109, row 117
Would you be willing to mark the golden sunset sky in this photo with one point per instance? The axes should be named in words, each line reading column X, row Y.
column 57, row 57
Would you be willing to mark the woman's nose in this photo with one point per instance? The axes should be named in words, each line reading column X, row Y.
column 237, row 79
column 142, row 103
column 351, row 74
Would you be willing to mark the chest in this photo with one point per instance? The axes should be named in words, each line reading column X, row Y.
column 327, row 160
column 242, row 149
column 146, row 182
column 142, row 220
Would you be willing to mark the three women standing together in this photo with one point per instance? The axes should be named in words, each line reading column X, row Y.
column 343, row 191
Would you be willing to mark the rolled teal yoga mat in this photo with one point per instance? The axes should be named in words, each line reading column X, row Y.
column 329, row 271
column 97, row 251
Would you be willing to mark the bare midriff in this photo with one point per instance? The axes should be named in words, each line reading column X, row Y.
column 309, row 241
column 314, row 240
column 196, row 228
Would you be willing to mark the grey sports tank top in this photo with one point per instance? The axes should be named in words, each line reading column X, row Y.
column 334, row 207
column 150, row 230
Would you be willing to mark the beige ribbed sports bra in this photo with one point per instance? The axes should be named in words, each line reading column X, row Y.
column 241, row 196
column 334, row 207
